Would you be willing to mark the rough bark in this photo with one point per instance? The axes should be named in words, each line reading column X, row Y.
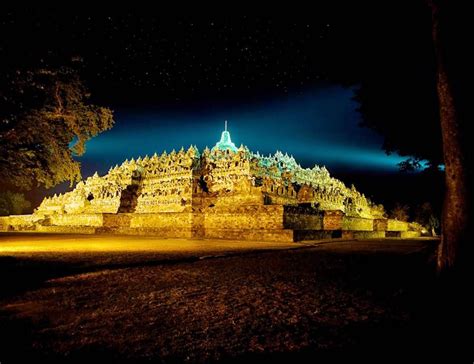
column 454, row 235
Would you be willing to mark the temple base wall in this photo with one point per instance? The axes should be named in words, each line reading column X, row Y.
column 257, row 217
column 282, row 235
column 301, row 218
column 244, row 222
column 395, row 225
column 94, row 220
column 89, row 230
column 357, row 224
column 347, row 234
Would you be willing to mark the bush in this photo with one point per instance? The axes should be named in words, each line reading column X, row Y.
column 13, row 203
column 400, row 212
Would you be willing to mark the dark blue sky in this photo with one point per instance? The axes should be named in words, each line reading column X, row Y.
column 318, row 126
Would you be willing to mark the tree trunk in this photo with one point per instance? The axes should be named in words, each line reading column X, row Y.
column 454, row 228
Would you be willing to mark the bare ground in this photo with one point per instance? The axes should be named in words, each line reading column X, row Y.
column 199, row 302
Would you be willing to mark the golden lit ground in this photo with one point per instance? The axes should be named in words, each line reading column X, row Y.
column 154, row 299
column 30, row 242
column 97, row 250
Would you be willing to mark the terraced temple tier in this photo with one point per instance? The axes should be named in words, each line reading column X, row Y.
column 220, row 192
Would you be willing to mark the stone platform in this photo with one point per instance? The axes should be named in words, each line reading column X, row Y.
column 251, row 222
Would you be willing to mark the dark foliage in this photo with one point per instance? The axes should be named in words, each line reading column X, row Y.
column 45, row 120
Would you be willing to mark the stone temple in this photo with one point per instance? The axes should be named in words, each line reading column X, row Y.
column 225, row 192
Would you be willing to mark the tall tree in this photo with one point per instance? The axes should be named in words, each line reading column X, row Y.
column 420, row 106
column 457, row 209
column 45, row 120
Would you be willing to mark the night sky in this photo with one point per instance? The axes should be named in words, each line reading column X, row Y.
column 316, row 126
column 283, row 83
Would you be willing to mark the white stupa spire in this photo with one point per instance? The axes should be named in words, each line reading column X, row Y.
column 225, row 142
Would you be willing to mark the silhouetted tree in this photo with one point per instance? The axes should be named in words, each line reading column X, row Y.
column 400, row 212
column 427, row 217
column 421, row 108
column 45, row 120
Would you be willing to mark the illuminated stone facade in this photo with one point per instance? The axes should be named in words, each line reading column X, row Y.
column 225, row 192
column 187, row 180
